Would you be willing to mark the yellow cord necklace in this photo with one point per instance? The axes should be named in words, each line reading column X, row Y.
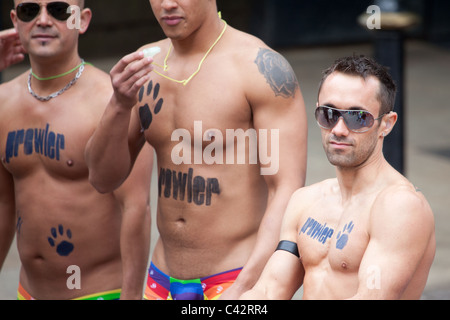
column 186, row 81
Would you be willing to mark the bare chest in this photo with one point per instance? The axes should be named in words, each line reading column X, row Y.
column 203, row 110
column 49, row 137
column 334, row 241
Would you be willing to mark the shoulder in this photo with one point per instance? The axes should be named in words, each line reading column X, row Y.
column 260, row 66
column 163, row 44
column 12, row 90
column 244, row 47
column 97, row 80
column 309, row 195
column 402, row 207
column 160, row 43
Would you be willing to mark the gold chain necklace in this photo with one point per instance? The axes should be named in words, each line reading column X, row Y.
column 186, row 81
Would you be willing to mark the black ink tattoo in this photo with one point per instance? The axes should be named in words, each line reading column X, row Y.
column 278, row 73
column 64, row 247
column 184, row 186
column 19, row 225
column 145, row 113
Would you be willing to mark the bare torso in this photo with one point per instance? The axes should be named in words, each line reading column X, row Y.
column 333, row 239
column 208, row 214
column 61, row 219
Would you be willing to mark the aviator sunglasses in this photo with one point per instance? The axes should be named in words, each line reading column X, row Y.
column 356, row 120
column 28, row 11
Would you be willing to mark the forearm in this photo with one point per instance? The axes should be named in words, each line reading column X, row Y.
column 135, row 249
column 111, row 152
column 267, row 239
column 107, row 152
column 7, row 230
column 281, row 278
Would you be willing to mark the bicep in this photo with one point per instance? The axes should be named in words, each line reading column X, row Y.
column 278, row 110
column 396, row 248
column 282, row 276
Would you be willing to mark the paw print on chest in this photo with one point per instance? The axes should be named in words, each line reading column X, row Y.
column 342, row 237
column 145, row 114
column 63, row 247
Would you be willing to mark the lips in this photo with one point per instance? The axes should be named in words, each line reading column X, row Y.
column 172, row 20
column 340, row 144
column 43, row 37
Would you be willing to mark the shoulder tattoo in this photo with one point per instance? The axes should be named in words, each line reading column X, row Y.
column 278, row 73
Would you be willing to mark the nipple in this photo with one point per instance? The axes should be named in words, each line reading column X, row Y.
column 69, row 163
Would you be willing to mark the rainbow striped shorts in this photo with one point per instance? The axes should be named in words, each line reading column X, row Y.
column 163, row 287
column 22, row 294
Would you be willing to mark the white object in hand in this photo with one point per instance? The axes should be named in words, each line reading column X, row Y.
column 151, row 52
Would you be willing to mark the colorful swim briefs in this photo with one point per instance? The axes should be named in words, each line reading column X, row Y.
column 163, row 287
column 22, row 294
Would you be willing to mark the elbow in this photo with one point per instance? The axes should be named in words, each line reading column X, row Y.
column 102, row 186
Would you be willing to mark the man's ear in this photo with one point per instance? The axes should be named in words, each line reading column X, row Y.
column 86, row 17
column 388, row 123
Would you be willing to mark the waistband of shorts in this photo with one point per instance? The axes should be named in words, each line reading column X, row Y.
column 22, row 294
column 226, row 275
column 159, row 284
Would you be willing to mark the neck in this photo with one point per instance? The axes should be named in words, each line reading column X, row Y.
column 353, row 181
column 49, row 67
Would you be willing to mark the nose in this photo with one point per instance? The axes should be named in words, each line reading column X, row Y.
column 169, row 5
column 340, row 129
column 44, row 18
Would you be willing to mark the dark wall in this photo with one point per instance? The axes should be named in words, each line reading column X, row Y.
column 120, row 26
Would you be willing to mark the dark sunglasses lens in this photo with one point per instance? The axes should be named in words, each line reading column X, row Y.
column 327, row 117
column 27, row 11
column 59, row 10
column 355, row 120
column 358, row 120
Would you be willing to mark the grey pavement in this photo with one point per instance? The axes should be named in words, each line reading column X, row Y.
column 427, row 136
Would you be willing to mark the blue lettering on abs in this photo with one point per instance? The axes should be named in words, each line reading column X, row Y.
column 187, row 187
column 40, row 141
column 317, row 231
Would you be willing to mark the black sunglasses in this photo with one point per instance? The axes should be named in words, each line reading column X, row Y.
column 356, row 120
column 28, row 11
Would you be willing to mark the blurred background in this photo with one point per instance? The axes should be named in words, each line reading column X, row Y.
column 119, row 26
column 311, row 35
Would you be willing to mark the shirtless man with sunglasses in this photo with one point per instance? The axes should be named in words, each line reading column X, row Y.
column 369, row 233
column 73, row 242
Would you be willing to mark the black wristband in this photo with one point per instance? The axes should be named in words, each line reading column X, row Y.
column 288, row 246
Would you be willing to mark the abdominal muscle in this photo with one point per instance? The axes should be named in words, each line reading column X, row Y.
column 200, row 241
column 94, row 224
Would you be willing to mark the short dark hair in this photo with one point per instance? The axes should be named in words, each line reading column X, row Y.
column 365, row 67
